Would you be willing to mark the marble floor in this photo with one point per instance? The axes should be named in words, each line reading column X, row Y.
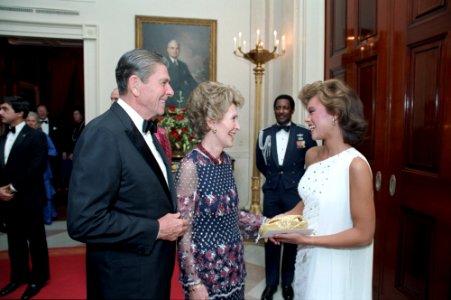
column 254, row 254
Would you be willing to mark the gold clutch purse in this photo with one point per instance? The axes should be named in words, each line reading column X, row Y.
column 283, row 224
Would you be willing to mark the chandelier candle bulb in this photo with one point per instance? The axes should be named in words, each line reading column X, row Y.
column 239, row 39
column 275, row 38
column 283, row 43
column 258, row 37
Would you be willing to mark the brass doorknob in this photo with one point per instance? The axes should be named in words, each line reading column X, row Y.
column 378, row 181
column 392, row 187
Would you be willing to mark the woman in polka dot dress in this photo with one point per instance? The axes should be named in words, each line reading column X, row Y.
column 211, row 252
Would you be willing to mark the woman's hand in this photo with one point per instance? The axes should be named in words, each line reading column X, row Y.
column 291, row 238
column 198, row 292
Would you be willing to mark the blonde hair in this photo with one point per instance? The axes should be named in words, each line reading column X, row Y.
column 210, row 99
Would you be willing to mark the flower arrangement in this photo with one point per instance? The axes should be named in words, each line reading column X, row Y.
column 176, row 124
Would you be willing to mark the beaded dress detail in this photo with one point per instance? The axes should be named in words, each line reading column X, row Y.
column 211, row 251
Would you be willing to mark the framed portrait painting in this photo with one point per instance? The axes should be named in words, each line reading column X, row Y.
column 188, row 47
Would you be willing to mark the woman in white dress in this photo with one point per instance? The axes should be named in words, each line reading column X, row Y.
column 337, row 199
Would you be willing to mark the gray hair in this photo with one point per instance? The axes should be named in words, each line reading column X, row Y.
column 139, row 62
column 34, row 115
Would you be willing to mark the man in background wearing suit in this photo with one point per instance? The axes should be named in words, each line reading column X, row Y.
column 114, row 96
column 122, row 200
column 280, row 157
column 48, row 125
column 181, row 79
column 52, row 127
column 23, row 159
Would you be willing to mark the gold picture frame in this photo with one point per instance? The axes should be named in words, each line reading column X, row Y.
column 197, row 45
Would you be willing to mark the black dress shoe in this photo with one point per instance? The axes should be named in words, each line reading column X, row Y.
column 31, row 291
column 10, row 287
column 287, row 292
column 268, row 293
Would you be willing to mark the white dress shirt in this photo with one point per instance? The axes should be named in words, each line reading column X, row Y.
column 138, row 121
column 282, row 143
column 45, row 125
column 11, row 138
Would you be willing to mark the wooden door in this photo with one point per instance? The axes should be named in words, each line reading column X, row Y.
column 418, row 248
column 402, row 73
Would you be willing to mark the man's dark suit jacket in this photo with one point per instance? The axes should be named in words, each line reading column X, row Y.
column 181, row 81
column 291, row 171
column 55, row 133
column 117, row 193
column 25, row 167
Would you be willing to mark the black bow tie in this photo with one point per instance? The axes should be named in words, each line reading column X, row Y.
column 44, row 121
column 149, row 126
column 12, row 129
column 283, row 127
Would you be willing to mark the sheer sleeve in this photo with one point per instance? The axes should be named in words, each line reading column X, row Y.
column 186, row 184
column 249, row 224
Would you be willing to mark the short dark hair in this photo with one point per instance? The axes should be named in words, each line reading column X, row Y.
column 287, row 97
column 80, row 109
column 18, row 104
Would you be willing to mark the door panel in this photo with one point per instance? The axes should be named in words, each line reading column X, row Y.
column 423, row 196
column 402, row 72
column 424, row 106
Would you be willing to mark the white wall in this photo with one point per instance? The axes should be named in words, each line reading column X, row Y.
column 108, row 30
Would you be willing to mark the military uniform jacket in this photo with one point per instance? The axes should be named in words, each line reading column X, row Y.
column 291, row 171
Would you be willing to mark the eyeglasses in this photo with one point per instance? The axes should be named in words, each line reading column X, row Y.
column 114, row 99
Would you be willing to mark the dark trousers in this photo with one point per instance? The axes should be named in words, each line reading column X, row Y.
column 27, row 240
column 116, row 274
column 276, row 202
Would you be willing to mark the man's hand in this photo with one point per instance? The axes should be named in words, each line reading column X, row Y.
column 171, row 227
column 6, row 193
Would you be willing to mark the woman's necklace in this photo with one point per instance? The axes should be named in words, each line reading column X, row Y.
column 216, row 161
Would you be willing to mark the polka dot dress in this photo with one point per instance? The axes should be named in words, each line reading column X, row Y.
column 211, row 252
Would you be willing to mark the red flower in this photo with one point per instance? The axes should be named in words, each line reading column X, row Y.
column 176, row 124
column 174, row 134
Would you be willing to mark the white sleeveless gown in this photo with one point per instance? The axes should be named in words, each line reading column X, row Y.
column 330, row 273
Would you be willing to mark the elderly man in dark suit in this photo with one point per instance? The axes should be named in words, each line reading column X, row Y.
column 280, row 157
column 49, row 125
column 23, row 159
column 122, row 201
column 181, row 79
column 52, row 127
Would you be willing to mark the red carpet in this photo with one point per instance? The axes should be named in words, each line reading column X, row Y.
column 68, row 276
